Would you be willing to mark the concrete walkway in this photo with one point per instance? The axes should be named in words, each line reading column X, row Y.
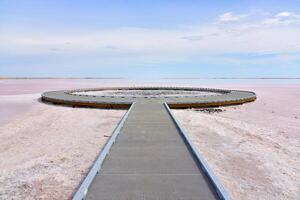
column 150, row 161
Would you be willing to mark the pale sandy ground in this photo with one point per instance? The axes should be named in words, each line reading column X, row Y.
column 253, row 148
column 46, row 150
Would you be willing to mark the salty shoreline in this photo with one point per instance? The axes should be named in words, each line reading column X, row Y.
column 46, row 150
column 253, row 148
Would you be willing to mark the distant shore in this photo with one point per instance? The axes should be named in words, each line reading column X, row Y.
column 254, row 78
column 62, row 78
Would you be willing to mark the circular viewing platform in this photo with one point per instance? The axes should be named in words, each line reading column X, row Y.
column 123, row 97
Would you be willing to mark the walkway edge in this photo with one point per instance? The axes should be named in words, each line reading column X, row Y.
column 220, row 189
column 82, row 190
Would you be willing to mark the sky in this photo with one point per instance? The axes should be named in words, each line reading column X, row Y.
column 149, row 39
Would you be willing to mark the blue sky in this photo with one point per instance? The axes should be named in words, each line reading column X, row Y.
column 150, row 39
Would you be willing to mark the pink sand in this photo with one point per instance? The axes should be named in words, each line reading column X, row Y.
column 254, row 148
column 46, row 150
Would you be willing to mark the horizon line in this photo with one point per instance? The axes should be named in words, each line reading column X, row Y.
column 2, row 78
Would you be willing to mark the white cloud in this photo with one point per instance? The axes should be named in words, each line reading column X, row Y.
column 161, row 45
column 272, row 21
column 288, row 14
column 283, row 18
column 230, row 17
column 284, row 14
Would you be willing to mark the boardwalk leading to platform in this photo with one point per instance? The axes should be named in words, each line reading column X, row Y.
column 150, row 160
column 150, row 155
